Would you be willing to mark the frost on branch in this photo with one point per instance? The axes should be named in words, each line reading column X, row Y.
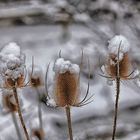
column 12, row 62
column 62, row 66
column 118, row 43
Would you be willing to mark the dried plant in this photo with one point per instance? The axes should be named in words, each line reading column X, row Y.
column 9, row 104
column 67, row 88
column 36, row 76
column 117, row 69
column 13, row 75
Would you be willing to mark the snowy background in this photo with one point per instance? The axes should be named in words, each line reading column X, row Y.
column 42, row 28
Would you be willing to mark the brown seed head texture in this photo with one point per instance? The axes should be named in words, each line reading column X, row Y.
column 9, row 103
column 10, row 83
column 66, row 89
column 35, row 82
column 123, row 66
column 20, row 81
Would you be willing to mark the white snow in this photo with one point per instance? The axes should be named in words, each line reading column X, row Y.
column 136, row 73
column 61, row 66
column 11, row 48
column 51, row 103
column 12, row 61
column 138, row 82
column 36, row 71
column 118, row 43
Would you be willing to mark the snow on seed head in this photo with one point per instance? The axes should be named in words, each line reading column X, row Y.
column 11, row 48
column 66, row 85
column 118, row 43
column 35, row 71
column 36, row 75
column 62, row 66
column 12, row 64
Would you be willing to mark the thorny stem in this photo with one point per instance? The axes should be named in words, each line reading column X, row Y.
column 68, row 113
column 20, row 114
column 16, row 125
column 116, row 107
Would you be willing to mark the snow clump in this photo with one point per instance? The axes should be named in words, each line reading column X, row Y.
column 12, row 61
column 62, row 66
column 118, row 43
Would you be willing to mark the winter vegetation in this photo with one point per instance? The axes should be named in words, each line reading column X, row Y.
column 69, row 70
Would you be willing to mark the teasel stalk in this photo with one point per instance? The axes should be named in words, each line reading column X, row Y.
column 36, row 82
column 117, row 69
column 67, row 89
column 119, row 72
column 20, row 113
column 14, row 84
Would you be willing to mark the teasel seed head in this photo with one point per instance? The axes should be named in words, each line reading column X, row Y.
column 9, row 102
column 124, row 66
column 118, row 64
column 36, row 76
column 66, row 87
column 12, row 65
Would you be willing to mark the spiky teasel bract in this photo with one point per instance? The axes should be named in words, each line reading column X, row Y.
column 66, row 88
column 118, row 64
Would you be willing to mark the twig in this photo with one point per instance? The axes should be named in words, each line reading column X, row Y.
column 20, row 114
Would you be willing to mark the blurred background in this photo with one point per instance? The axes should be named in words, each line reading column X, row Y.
column 44, row 27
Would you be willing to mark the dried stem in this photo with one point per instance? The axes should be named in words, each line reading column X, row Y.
column 16, row 126
column 20, row 114
column 68, row 113
column 39, row 110
column 116, row 107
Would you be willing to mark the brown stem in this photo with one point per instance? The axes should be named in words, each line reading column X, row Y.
column 20, row 114
column 116, row 107
column 68, row 113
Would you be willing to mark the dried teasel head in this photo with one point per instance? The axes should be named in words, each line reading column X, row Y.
column 21, row 81
column 36, row 76
column 118, row 64
column 9, row 102
column 123, row 65
column 12, row 65
column 38, row 133
column 10, row 83
column 66, row 87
